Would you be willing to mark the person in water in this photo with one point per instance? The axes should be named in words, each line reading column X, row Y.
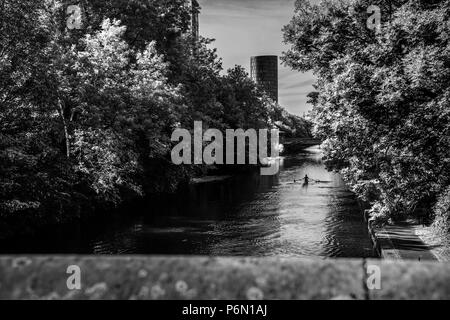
column 306, row 178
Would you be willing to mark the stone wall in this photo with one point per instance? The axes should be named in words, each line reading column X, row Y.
column 201, row 278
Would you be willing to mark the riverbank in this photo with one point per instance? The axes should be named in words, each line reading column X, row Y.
column 406, row 240
column 409, row 240
column 439, row 244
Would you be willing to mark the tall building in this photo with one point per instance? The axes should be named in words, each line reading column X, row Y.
column 264, row 71
column 195, row 24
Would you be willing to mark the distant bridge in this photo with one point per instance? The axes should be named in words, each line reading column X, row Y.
column 297, row 144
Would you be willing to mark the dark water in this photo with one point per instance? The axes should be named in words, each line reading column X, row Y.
column 245, row 216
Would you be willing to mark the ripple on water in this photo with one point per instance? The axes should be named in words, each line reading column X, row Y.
column 252, row 216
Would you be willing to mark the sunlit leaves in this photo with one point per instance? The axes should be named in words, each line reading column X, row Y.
column 383, row 98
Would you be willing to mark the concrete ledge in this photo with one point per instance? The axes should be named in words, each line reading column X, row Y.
column 180, row 278
column 203, row 278
column 412, row 280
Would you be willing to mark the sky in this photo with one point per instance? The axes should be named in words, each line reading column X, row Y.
column 245, row 28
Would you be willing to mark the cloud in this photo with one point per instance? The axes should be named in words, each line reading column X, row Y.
column 304, row 83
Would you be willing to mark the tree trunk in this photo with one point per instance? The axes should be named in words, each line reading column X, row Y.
column 66, row 129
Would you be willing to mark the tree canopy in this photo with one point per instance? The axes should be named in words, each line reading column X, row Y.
column 87, row 113
column 382, row 98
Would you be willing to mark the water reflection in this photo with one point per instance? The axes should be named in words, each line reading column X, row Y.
column 243, row 216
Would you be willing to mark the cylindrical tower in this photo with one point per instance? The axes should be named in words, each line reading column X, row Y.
column 264, row 71
column 195, row 11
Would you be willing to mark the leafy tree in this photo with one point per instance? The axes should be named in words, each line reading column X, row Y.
column 29, row 156
column 126, row 109
column 87, row 114
column 245, row 105
column 383, row 98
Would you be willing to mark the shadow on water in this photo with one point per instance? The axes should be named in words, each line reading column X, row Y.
column 243, row 216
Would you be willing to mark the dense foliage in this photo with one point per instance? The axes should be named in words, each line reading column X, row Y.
column 382, row 104
column 442, row 212
column 87, row 114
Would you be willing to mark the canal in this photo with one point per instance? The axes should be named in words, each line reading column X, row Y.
column 240, row 216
